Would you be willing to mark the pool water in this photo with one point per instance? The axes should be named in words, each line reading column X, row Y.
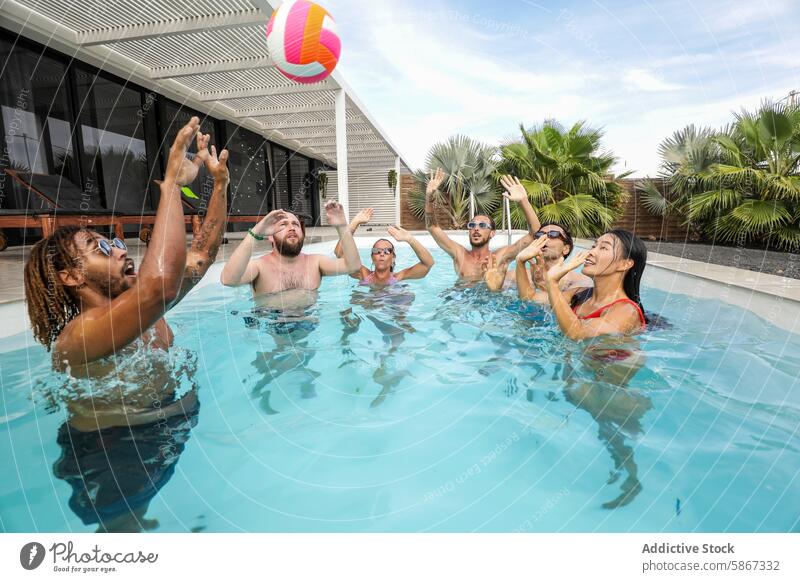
column 426, row 407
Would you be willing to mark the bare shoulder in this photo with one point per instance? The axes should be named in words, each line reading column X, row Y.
column 624, row 313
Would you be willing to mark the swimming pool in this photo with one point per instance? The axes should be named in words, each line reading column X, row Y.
column 428, row 407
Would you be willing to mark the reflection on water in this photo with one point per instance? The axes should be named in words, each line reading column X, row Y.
column 600, row 386
column 289, row 328
column 126, row 428
column 343, row 415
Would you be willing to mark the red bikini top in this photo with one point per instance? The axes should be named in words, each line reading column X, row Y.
column 599, row 312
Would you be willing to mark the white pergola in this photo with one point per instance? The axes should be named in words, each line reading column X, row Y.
column 212, row 55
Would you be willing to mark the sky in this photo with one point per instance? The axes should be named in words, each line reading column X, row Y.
column 640, row 70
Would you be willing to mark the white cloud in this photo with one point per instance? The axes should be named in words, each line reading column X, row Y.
column 645, row 80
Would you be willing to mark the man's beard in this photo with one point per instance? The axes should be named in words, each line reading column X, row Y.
column 289, row 249
column 104, row 285
column 478, row 244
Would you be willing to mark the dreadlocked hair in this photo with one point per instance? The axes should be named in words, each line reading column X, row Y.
column 51, row 304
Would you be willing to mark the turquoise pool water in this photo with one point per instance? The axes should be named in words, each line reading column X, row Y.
column 427, row 408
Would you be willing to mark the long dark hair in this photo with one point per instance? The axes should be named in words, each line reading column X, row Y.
column 634, row 249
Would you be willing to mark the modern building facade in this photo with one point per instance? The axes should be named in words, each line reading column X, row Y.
column 93, row 93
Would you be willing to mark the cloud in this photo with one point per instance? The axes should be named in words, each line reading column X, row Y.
column 645, row 80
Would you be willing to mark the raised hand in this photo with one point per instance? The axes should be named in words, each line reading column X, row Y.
column 217, row 166
column 363, row 216
column 435, row 180
column 189, row 168
column 515, row 191
column 271, row 223
column 177, row 155
column 532, row 250
column 335, row 214
column 399, row 233
column 557, row 271
column 495, row 274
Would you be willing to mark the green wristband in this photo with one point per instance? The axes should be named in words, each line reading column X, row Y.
column 254, row 235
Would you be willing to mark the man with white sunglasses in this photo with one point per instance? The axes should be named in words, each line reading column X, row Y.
column 478, row 262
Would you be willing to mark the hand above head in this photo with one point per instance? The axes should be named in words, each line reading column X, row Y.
column 217, row 166
column 515, row 191
column 398, row 233
column 435, row 180
column 532, row 250
column 271, row 223
column 189, row 168
column 557, row 271
column 177, row 172
column 363, row 217
column 335, row 214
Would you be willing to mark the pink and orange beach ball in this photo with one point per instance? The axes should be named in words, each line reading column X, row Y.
column 302, row 41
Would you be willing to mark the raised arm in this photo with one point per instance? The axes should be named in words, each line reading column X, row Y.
column 103, row 331
column 617, row 320
column 350, row 262
column 205, row 243
column 449, row 246
column 363, row 217
column 515, row 192
column 525, row 290
column 239, row 270
column 426, row 261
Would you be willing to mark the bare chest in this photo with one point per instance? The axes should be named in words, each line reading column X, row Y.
column 276, row 276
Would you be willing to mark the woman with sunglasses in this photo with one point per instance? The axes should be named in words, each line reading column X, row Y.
column 384, row 257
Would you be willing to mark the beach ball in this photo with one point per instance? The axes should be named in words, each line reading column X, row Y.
column 302, row 41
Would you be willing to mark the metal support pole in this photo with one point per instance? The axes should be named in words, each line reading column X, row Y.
column 341, row 151
column 507, row 214
column 397, row 191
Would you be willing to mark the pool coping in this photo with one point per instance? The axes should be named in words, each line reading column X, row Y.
column 783, row 287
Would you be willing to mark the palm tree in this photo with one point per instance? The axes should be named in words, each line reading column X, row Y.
column 741, row 184
column 470, row 167
column 566, row 175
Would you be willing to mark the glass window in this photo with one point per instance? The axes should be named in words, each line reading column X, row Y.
column 173, row 117
column 280, row 159
column 302, row 186
column 249, row 173
column 37, row 132
column 114, row 152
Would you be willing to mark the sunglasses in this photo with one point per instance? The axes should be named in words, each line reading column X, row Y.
column 484, row 225
column 105, row 246
column 550, row 234
column 377, row 251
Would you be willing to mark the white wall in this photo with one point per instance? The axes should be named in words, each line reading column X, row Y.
column 367, row 189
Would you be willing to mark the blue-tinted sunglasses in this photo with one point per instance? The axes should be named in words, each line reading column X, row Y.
column 105, row 246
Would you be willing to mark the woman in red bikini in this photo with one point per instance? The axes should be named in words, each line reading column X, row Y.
column 612, row 306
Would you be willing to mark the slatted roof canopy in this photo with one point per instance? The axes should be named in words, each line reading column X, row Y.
column 212, row 56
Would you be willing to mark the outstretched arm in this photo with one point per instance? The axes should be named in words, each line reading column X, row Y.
column 426, row 261
column 363, row 217
column 617, row 320
column 351, row 262
column 205, row 243
column 239, row 269
column 525, row 290
column 515, row 192
column 449, row 246
column 103, row 331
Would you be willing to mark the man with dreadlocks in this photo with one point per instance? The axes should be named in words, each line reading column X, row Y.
column 85, row 299
column 104, row 323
